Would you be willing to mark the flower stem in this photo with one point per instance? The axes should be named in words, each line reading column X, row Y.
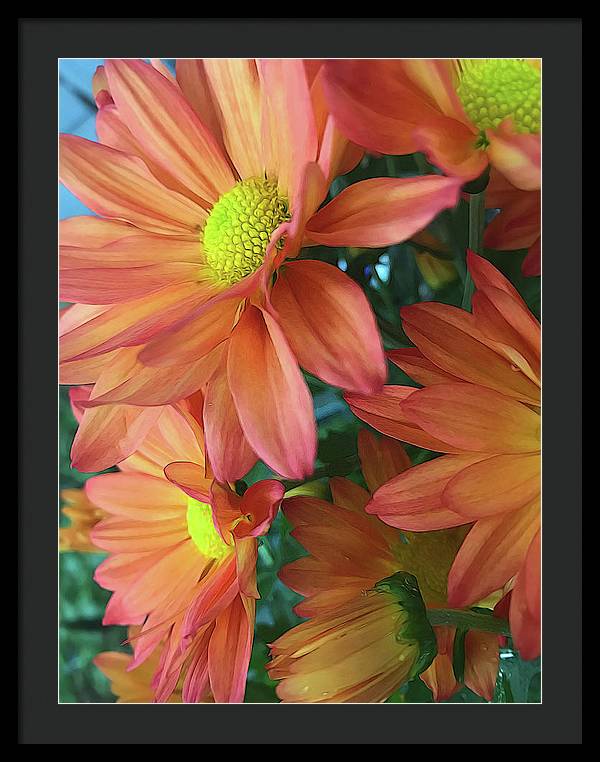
column 471, row 620
column 343, row 467
column 476, row 225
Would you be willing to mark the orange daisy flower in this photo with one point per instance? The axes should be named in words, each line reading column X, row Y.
column 206, row 186
column 481, row 406
column 348, row 651
column 462, row 114
column 181, row 561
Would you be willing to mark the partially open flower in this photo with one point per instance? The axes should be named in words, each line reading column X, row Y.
column 350, row 552
column 360, row 652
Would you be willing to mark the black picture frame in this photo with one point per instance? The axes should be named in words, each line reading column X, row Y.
column 41, row 719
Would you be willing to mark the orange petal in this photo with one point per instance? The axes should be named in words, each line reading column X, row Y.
column 193, row 81
column 191, row 478
column 108, row 434
column 494, row 485
column 108, row 285
column 492, row 553
column 482, row 658
column 229, row 651
column 519, row 335
column 113, row 132
column 289, row 129
column 417, row 366
column 526, row 602
column 437, row 78
column 380, row 459
column 376, row 105
column 450, row 146
column 157, row 386
column 126, row 268
column 235, row 88
column 137, row 496
column 260, row 504
column 117, row 185
column 84, row 371
column 418, row 489
column 507, row 302
column 329, row 325
column 89, row 232
column 114, row 535
column 191, row 340
column 214, row 594
column 174, row 436
column 270, row 395
column 439, row 676
column 229, row 452
column 382, row 211
column 451, row 340
column 517, row 226
column 474, row 418
column 167, row 128
column 347, row 494
column 246, row 555
column 383, row 412
column 517, row 156
column 131, row 323
column 426, row 522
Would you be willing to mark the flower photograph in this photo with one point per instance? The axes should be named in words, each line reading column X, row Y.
column 300, row 374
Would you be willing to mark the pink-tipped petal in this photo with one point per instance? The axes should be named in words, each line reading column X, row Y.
column 119, row 186
column 517, row 156
column 289, row 131
column 167, row 128
column 329, row 325
column 382, row 211
column 229, row 453
column 229, row 650
column 270, row 395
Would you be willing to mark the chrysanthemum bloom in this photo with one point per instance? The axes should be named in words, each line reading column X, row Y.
column 358, row 653
column 135, row 686
column 462, row 114
column 350, row 645
column 206, row 186
column 181, row 567
column 517, row 226
column 83, row 516
column 481, row 406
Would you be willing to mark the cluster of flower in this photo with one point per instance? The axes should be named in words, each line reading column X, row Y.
column 191, row 316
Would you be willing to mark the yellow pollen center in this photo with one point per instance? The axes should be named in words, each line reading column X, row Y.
column 493, row 89
column 239, row 228
column 203, row 532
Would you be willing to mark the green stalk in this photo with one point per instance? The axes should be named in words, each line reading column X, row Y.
column 476, row 225
column 470, row 620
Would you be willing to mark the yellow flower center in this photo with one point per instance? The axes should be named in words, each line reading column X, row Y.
column 203, row 532
column 492, row 89
column 239, row 228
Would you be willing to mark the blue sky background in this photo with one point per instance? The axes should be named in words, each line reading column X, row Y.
column 75, row 116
